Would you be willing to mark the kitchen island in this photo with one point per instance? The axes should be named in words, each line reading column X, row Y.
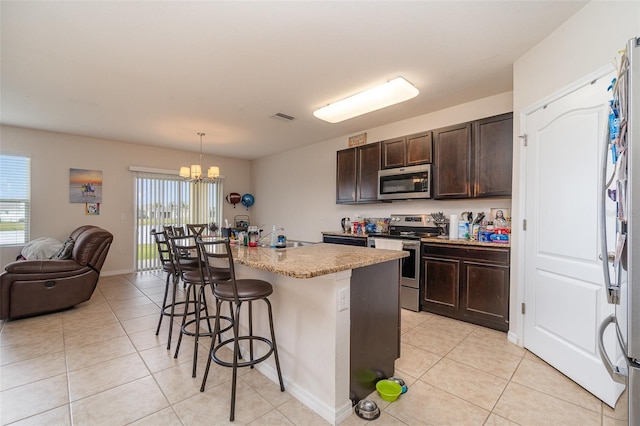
column 337, row 319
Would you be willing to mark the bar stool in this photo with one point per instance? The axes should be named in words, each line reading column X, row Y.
column 185, row 255
column 168, row 308
column 236, row 292
column 196, row 228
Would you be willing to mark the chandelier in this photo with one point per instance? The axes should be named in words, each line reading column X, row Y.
column 194, row 173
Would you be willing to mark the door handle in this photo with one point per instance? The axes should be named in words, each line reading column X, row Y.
column 617, row 373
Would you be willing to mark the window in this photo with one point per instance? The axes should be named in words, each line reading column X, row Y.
column 15, row 196
column 169, row 200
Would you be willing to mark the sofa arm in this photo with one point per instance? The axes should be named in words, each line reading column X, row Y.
column 42, row 266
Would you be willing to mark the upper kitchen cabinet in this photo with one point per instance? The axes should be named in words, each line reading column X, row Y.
column 407, row 151
column 357, row 174
column 474, row 160
column 493, row 140
column 452, row 161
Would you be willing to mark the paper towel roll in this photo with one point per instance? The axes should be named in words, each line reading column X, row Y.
column 453, row 227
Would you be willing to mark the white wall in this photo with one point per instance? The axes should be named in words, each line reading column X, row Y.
column 584, row 44
column 297, row 189
column 53, row 154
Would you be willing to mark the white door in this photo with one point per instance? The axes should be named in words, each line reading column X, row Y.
column 565, row 299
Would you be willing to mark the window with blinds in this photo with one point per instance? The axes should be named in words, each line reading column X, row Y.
column 15, row 199
column 168, row 200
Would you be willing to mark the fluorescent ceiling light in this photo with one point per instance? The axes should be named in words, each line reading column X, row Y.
column 387, row 94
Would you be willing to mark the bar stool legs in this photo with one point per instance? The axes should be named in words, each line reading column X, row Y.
column 236, row 363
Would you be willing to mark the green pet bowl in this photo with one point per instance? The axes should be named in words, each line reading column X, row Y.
column 388, row 390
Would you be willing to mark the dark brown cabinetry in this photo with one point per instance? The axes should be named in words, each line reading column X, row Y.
column 467, row 283
column 357, row 174
column 407, row 151
column 474, row 159
column 452, row 161
column 493, row 156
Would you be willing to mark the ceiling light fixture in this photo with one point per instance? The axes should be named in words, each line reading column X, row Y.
column 194, row 173
column 381, row 96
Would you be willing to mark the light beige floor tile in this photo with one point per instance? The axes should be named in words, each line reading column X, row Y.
column 41, row 323
column 147, row 339
column 82, row 321
column 264, row 386
column 546, row 379
column 143, row 323
column 529, row 407
column 128, row 303
column 35, row 348
column 95, row 353
column 21, row 335
column 159, row 358
column 451, row 327
column 177, row 384
column 82, row 337
column 105, row 375
column 33, row 398
column 485, row 358
column 32, row 370
column 272, row 418
column 437, row 343
column 164, row 417
column 215, row 403
column 300, row 414
column 57, row 417
column 148, row 308
column 424, row 404
column 410, row 319
column 120, row 405
column 468, row 383
column 495, row 339
column 495, row 420
column 415, row 361
column 621, row 410
column 121, row 293
column 385, row 419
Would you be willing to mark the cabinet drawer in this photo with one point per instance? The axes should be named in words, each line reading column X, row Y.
column 498, row 255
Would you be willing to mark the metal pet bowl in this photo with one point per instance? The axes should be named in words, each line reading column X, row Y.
column 367, row 410
column 401, row 382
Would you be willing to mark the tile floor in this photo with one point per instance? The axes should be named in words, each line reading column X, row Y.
column 101, row 364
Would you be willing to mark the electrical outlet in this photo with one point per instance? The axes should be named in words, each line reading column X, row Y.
column 343, row 299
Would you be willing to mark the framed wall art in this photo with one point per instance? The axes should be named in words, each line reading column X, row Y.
column 85, row 186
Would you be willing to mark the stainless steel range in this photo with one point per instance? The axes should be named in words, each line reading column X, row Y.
column 409, row 229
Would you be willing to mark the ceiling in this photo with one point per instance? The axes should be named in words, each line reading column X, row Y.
column 158, row 72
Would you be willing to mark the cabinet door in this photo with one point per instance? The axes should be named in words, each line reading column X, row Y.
column 394, row 153
column 346, row 176
column 485, row 294
column 419, row 149
column 368, row 165
column 493, row 140
column 441, row 285
column 452, row 162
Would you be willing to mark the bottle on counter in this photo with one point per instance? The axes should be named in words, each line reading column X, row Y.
column 463, row 230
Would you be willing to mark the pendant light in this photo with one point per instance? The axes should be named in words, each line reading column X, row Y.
column 194, row 173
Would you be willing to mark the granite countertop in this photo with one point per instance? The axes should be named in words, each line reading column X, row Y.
column 431, row 240
column 312, row 261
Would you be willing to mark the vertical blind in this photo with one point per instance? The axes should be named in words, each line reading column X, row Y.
column 168, row 200
column 15, row 199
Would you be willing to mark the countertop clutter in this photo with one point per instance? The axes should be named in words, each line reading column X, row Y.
column 433, row 240
column 312, row 261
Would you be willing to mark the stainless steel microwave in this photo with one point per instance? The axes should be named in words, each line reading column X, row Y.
column 404, row 183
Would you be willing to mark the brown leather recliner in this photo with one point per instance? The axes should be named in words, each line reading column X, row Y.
column 34, row 287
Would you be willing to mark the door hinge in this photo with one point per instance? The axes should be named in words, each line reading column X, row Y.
column 523, row 309
column 524, row 224
column 524, row 139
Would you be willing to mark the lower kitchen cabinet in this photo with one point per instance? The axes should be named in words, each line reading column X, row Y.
column 467, row 283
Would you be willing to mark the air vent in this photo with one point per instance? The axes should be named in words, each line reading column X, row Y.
column 283, row 116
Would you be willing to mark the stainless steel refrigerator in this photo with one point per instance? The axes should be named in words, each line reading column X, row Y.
column 622, row 185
